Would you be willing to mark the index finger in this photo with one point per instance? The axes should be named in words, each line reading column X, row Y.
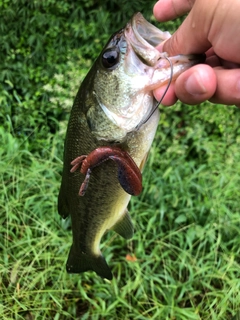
column 165, row 10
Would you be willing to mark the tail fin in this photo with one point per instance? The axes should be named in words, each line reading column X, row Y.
column 80, row 262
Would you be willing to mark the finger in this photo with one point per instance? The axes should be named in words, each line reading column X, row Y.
column 196, row 85
column 169, row 98
column 209, row 24
column 191, row 37
column 165, row 10
column 228, row 87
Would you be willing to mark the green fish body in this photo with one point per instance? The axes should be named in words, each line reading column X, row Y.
column 112, row 108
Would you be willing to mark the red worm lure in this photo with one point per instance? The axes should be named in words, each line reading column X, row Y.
column 129, row 175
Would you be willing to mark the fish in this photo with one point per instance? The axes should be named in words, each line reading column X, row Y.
column 110, row 131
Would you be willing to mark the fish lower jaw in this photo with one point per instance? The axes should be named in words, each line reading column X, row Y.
column 164, row 74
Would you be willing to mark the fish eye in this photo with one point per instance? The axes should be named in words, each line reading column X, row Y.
column 110, row 58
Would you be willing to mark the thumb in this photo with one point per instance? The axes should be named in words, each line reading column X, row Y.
column 192, row 35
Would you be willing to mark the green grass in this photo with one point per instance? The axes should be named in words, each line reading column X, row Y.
column 187, row 240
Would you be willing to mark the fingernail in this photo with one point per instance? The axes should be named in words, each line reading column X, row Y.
column 160, row 46
column 194, row 85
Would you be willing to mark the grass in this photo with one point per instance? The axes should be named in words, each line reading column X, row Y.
column 185, row 252
column 183, row 262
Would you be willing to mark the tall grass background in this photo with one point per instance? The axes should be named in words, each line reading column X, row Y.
column 183, row 261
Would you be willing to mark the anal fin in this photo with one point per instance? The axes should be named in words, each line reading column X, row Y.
column 124, row 226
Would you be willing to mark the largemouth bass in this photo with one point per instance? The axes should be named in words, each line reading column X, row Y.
column 111, row 128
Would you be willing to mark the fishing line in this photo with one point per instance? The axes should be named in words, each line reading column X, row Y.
column 159, row 102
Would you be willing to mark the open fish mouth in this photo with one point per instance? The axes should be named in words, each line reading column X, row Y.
column 145, row 37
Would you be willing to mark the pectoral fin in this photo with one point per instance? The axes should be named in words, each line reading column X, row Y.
column 79, row 262
column 124, row 226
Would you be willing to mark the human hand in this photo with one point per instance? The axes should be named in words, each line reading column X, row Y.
column 211, row 27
